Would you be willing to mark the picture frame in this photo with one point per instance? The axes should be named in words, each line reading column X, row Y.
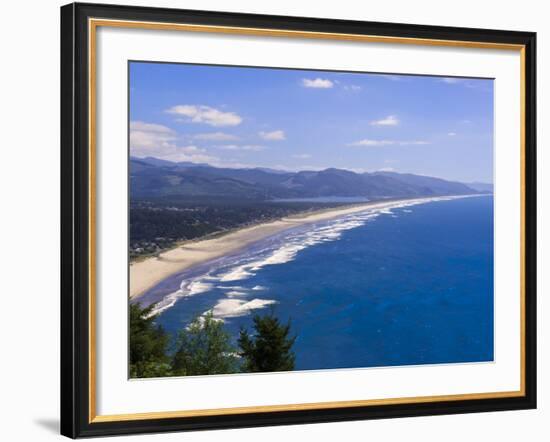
column 79, row 241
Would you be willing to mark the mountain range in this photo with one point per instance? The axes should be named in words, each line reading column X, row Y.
column 153, row 177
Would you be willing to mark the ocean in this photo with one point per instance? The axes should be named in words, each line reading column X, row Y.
column 406, row 286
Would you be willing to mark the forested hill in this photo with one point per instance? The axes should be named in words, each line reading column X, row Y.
column 151, row 177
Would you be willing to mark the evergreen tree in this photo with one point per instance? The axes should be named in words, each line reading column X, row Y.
column 270, row 348
column 204, row 348
column 148, row 345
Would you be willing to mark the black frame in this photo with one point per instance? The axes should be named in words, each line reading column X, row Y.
column 75, row 220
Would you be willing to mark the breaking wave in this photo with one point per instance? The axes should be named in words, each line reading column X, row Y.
column 283, row 249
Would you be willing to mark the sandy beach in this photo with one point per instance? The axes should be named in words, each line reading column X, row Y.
column 147, row 273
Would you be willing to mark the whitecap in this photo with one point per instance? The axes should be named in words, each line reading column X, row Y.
column 164, row 304
column 187, row 288
column 235, row 293
column 294, row 242
column 199, row 286
column 231, row 308
column 236, row 274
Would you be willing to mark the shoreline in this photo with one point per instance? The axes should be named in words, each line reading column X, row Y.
column 145, row 274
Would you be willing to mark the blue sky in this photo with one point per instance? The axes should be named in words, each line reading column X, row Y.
column 309, row 120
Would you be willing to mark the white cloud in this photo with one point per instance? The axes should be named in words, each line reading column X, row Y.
column 155, row 140
column 352, row 88
column 276, row 135
column 451, row 80
column 216, row 136
column 302, row 156
column 232, row 164
column 253, row 147
column 150, row 127
column 206, row 115
column 317, row 83
column 386, row 169
column 390, row 120
column 149, row 135
column 249, row 147
column 367, row 142
column 374, row 143
column 297, row 168
column 452, row 134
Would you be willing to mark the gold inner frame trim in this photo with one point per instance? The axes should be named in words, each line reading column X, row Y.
column 93, row 24
column 298, row 34
column 298, row 407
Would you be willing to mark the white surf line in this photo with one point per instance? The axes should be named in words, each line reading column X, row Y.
column 292, row 247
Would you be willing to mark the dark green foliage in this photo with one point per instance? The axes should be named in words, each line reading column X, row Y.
column 270, row 348
column 148, row 345
column 157, row 224
column 171, row 202
column 204, row 348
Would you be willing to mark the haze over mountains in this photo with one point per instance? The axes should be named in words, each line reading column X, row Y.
column 153, row 177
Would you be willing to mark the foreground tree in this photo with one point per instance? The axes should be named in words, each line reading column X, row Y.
column 269, row 349
column 204, row 348
column 148, row 345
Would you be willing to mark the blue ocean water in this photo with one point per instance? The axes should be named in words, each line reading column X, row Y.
column 410, row 285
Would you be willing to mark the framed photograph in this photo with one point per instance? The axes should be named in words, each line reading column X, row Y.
column 274, row 220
